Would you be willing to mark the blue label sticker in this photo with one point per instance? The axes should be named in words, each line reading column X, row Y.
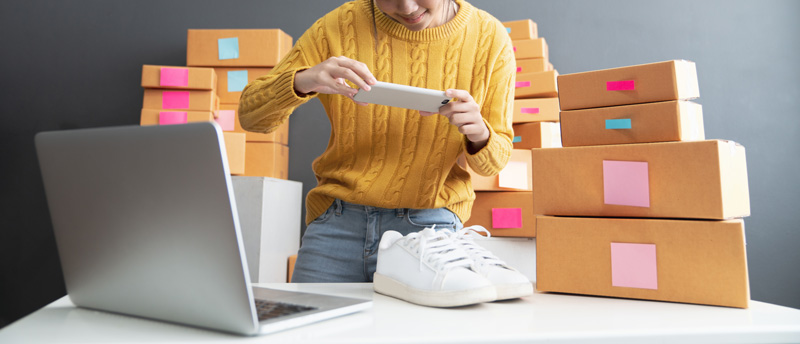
column 237, row 80
column 228, row 48
column 517, row 139
column 624, row 123
column 508, row 29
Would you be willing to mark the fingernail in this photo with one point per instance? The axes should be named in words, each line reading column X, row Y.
column 367, row 88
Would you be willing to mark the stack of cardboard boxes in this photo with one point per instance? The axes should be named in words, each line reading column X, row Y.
column 639, row 205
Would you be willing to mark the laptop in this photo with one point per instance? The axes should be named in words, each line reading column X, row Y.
column 146, row 225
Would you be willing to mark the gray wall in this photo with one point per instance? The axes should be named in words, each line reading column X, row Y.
column 74, row 64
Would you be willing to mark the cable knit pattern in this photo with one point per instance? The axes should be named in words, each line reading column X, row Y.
column 391, row 157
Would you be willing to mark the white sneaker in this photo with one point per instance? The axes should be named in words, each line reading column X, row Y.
column 510, row 283
column 429, row 269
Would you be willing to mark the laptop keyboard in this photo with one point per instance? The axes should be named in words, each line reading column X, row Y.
column 271, row 309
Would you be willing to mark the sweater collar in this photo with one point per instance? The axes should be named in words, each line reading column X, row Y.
column 387, row 25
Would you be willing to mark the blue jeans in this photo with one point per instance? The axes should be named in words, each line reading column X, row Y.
column 341, row 245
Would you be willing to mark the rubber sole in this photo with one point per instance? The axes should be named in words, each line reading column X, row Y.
column 513, row 291
column 391, row 287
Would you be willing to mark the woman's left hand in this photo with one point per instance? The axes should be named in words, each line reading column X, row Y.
column 465, row 114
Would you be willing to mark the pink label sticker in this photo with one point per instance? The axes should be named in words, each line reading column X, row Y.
column 506, row 217
column 174, row 76
column 519, row 84
column 172, row 117
column 624, row 85
column 175, row 99
column 226, row 119
column 519, row 69
column 634, row 266
column 529, row 110
column 626, row 183
column 515, row 49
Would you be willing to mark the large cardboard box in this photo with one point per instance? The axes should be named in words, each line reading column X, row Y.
column 700, row 262
column 152, row 116
column 233, row 80
column 239, row 48
column 533, row 65
column 536, row 110
column 504, row 213
column 516, row 176
column 536, row 85
column 676, row 120
column 198, row 100
column 530, row 49
column 653, row 82
column 537, row 135
column 698, row 180
column 189, row 78
column 267, row 159
column 521, row 29
column 281, row 135
column 235, row 149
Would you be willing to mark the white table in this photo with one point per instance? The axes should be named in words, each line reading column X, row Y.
column 539, row 318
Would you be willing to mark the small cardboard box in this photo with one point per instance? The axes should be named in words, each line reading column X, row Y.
column 530, row 49
column 521, row 29
column 697, row 180
column 676, row 120
column 281, row 135
column 267, row 159
column 536, row 110
column 236, row 48
column 533, row 65
column 233, row 80
column 702, row 262
column 152, row 116
column 653, row 82
column 537, row 135
column 197, row 100
column 504, row 213
column 536, row 85
column 516, row 176
column 235, row 147
column 188, row 78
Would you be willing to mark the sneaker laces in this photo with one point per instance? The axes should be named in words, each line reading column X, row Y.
column 437, row 249
column 465, row 237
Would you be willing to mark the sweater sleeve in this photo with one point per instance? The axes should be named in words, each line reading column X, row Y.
column 267, row 102
column 497, row 111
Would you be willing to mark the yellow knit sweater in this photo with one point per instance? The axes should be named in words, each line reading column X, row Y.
column 390, row 157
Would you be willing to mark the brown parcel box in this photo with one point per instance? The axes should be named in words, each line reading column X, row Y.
column 150, row 116
column 290, row 268
column 654, row 82
column 521, row 29
column 700, row 180
column 267, row 159
column 668, row 260
column 512, row 212
column 536, row 85
column 533, row 65
column 530, row 49
column 516, row 176
column 226, row 97
column 236, row 150
column 256, row 47
column 197, row 100
column 676, row 120
column 536, row 110
column 281, row 135
column 537, row 135
column 196, row 78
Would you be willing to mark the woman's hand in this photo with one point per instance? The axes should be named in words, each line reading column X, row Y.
column 329, row 77
column 465, row 114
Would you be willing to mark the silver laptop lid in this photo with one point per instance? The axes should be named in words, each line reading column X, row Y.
column 144, row 221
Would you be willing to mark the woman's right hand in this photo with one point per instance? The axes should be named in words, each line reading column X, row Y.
column 329, row 77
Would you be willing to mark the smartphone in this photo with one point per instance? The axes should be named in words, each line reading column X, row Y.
column 402, row 96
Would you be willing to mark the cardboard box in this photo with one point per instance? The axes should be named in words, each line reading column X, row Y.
column 233, row 80
column 516, row 176
column 504, row 213
column 188, row 78
column 536, row 110
column 536, row 85
column 281, row 135
column 697, row 180
column 235, row 147
column 530, row 49
column 267, row 159
column 290, row 269
column 236, row 48
column 152, row 116
column 701, row 262
column 521, row 29
column 654, row 82
column 537, row 135
column 676, row 120
column 198, row 100
column 533, row 65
